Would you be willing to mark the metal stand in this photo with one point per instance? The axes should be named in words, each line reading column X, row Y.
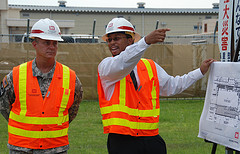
column 214, row 147
column 230, row 151
column 227, row 150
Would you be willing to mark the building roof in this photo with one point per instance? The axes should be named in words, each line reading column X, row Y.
column 114, row 10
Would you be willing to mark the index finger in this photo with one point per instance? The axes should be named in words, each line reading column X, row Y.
column 164, row 30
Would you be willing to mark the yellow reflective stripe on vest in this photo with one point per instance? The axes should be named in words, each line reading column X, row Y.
column 130, row 124
column 66, row 90
column 122, row 92
column 39, row 120
column 130, row 111
column 150, row 73
column 37, row 134
column 23, row 88
column 149, row 68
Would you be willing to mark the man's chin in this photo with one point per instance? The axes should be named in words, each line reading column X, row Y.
column 115, row 53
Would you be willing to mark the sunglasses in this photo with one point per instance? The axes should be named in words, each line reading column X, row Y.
column 115, row 39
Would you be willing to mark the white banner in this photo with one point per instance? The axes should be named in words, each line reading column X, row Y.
column 225, row 29
column 220, row 119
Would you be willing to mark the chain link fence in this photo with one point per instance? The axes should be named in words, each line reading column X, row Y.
column 172, row 39
column 23, row 38
column 191, row 39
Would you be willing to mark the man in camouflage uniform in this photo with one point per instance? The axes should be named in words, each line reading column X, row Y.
column 44, row 77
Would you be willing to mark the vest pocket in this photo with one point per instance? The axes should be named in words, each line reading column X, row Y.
column 33, row 92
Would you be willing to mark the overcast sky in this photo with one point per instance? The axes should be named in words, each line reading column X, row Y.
column 123, row 3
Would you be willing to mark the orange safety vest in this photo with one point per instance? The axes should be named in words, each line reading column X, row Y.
column 38, row 123
column 129, row 111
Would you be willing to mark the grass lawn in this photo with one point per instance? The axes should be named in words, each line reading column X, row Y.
column 179, row 121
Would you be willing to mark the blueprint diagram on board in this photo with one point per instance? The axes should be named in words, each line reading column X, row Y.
column 224, row 104
column 220, row 119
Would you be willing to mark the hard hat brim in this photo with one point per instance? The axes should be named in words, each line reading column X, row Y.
column 46, row 37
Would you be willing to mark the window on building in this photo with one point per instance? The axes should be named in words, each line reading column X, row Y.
column 205, row 28
column 196, row 27
column 208, row 17
column 25, row 15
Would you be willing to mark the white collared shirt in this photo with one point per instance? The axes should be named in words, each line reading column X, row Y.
column 113, row 69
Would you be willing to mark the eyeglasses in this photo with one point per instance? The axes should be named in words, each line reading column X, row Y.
column 115, row 39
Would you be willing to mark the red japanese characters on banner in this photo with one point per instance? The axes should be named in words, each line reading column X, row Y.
column 225, row 21
column 225, row 28
column 225, row 33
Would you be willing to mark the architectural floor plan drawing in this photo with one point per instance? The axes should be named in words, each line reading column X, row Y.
column 224, row 107
column 220, row 119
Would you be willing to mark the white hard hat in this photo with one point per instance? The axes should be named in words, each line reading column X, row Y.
column 46, row 29
column 121, row 25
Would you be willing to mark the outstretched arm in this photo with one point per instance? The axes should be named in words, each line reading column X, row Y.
column 170, row 85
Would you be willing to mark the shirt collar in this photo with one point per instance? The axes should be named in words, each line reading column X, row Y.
column 37, row 72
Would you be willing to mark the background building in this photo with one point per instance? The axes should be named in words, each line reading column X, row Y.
column 80, row 20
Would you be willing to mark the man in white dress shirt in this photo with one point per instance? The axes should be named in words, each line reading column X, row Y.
column 129, row 88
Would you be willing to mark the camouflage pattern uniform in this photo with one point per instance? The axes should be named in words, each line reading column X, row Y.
column 7, row 98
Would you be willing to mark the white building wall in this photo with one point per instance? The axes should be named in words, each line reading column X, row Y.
column 180, row 24
column 14, row 21
column 3, row 5
column 209, row 25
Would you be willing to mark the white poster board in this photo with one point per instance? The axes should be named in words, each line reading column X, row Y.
column 220, row 119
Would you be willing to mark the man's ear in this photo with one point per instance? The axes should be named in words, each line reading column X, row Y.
column 34, row 43
column 130, row 41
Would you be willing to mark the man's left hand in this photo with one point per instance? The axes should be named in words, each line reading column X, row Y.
column 206, row 64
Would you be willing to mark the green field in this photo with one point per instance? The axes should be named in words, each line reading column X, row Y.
column 179, row 121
